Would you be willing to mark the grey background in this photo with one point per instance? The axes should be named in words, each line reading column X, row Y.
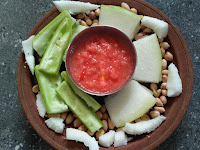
column 17, row 17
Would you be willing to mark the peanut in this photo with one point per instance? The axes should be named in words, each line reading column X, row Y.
column 125, row 5
column 92, row 15
column 164, row 64
column 147, row 30
column 154, row 114
column 157, row 93
column 97, row 12
column 69, row 119
column 90, row 133
column 88, row 20
column 145, row 117
column 119, row 129
column 95, row 21
column 80, row 16
column 163, row 85
column 138, row 120
column 83, row 23
column 82, row 128
column 168, row 56
column 35, row 88
column 160, row 109
column 77, row 123
column 163, row 99
column 105, row 116
column 63, row 115
column 164, row 78
column 133, row 10
column 159, row 102
column 160, row 40
column 164, row 92
column 139, row 35
column 103, row 109
column 105, row 125
column 110, row 124
column 162, row 51
column 164, row 45
column 165, row 72
column 94, row 24
column 99, row 114
column 142, row 26
column 99, row 133
column 153, row 86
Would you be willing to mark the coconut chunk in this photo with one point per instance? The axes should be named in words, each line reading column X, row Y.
column 81, row 136
column 75, row 7
column 120, row 139
column 107, row 139
column 40, row 105
column 55, row 124
column 143, row 126
column 174, row 83
column 28, row 51
column 160, row 27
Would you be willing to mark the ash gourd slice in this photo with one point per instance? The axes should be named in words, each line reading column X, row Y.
column 55, row 124
column 120, row 18
column 149, row 60
column 107, row 139
column 128, row 104
column 75, row 7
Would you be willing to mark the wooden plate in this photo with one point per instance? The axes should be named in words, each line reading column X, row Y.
column 175, row 108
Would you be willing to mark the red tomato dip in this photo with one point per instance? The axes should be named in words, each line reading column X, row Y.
column 101, row 63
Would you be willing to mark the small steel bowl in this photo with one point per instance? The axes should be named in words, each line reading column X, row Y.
column 107, row 30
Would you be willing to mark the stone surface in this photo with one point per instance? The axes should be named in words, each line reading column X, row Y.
column 16, row 20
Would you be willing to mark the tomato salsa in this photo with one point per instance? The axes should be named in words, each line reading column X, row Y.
column 101, row 63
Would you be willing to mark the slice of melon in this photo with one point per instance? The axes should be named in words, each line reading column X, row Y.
column 120, row 18
column 74, row 7
column 143, row 126
column 160, row 27
column 81, row 136
column 149, row 60
column 174, row 83
column 128, row 104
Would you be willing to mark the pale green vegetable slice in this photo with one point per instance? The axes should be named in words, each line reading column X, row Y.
column 129, row 103
column 120, row 18
column 149, row 60
column 120, row 139
column 107, row 139
column 40, row 105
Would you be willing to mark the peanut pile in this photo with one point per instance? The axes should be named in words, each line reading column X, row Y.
column 159, row 90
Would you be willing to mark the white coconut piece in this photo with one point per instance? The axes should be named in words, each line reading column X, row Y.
column 174, row 83
column 40, row 105
column 75, row 7
column 55, row 124
column 143, row 126
column 81, row 136
column 107, row 139
column 120, row 139
column 28, row 51
column 160, row 27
